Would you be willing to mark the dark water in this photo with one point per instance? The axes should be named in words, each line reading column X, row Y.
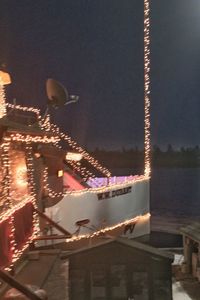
column 174, row 191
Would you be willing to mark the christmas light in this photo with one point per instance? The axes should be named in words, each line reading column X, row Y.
column 107, row 188
column 45, row 124
column 73, row 156
column 2, row 99
column 6, row 201
column 47, row 189
column 147, row 146
column 24, row 108
column 32, row 188
column 109, row 228
column 12, row 207
column 18, row 137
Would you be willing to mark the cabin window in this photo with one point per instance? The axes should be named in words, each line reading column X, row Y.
column 140, row 285
column 77, row 284
column 118, row 281
column 98, row 283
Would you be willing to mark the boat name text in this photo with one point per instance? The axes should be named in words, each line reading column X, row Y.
column 111, row 194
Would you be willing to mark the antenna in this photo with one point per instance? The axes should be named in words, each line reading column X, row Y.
column 58, row 95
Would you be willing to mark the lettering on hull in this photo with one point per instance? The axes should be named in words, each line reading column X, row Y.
column 115, row 193
column 130, row 228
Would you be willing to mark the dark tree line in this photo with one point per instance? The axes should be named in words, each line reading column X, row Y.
column 186, row 157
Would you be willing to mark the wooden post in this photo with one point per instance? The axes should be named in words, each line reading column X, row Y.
column 187, row 254
column 17, row 285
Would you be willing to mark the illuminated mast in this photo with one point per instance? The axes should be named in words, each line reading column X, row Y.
column 147, row 145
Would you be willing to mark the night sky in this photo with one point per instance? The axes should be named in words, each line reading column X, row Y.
column 95, row 49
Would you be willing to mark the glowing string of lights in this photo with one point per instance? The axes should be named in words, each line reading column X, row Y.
column 16, row 253
column 33, row 139
column 110, row 187
column 32, row 188
column 2, row 99
column 5, row 146
column 53, row 128
column 109, row 228
column 9, row 212
column 85, row 174
column 147, row 167
column 47, row 189
column 86, row 155
column 24, row 108
column 5, row 215
column 45, row 124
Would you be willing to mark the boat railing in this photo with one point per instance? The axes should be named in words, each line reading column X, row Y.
column 105, row 181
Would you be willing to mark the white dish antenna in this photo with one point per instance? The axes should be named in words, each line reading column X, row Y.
column 57, row 94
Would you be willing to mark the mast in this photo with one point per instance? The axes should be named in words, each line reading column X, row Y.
column 147, row 144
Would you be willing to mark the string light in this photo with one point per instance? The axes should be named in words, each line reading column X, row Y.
column 109, row 228
column 2, row 99
column 47, row 189
column 32, row 188
column 12, row 207
column 18, row 137
column 5, row 146
column 48, row 127
column 85, row 174
column 53, row 128
column 101, row 189
column 73, row 156
column 110, row 187
column 24, row 108
column 85, row 155
column 32, row 200
column 147, row 146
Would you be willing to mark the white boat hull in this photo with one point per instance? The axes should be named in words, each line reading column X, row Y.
column 106, row 209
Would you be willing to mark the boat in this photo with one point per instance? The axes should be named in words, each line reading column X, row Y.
column 43, row 184
column 41, row 179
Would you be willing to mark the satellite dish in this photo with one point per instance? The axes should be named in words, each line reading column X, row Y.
column 56, row 93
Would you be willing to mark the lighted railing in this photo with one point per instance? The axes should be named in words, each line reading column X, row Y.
column 104, row 181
